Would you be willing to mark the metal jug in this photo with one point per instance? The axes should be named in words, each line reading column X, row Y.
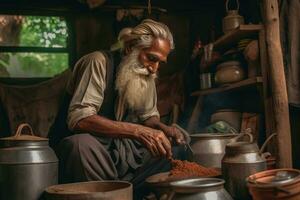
column 232, row 20
column 27, row 166
column 241, row 159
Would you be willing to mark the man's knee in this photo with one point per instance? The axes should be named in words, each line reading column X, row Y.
column 75, row 142
column 76, row 139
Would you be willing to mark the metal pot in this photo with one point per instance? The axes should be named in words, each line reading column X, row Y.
column 92, row 190
column 200, row 189
column 232, row 20
column 209, row 149
column 241, row 159
column 27, row 166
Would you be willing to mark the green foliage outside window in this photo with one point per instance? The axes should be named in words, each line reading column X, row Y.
column 44, row 32
column 37, row 31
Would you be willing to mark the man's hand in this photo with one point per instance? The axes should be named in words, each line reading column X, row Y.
column 171, row 132
column 174, row 134
column 155, row 141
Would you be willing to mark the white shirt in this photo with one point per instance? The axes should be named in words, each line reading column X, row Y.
column 87, row 86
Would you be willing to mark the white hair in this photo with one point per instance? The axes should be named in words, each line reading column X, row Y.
column 143, row 34
column 134, row 81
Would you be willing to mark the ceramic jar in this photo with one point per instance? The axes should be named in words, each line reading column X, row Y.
column 283, row 184
column 229, row 72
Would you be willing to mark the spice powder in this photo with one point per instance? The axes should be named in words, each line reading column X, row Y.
column 190, row 169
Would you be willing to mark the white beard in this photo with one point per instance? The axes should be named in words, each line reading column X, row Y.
column 134, row 81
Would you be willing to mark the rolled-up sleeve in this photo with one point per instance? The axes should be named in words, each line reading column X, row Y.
column 89, row 84
column 150, row 108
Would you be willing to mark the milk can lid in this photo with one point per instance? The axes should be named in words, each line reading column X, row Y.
column 241, row 147
column 19, row 136
column 275, row 177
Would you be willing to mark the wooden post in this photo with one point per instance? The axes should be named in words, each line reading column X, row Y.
column 278, row 83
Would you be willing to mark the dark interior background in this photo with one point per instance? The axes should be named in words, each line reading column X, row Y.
column 189, row 20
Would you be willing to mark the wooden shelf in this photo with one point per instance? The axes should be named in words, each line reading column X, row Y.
column 234, row 36
column 234, row 86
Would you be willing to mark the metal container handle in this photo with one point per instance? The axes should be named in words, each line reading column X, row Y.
column 20, row 129
column 266, row 143
column 237, row 3
column 246, row 132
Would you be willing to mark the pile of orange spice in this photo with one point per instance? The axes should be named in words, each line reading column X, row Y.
column 191, row 169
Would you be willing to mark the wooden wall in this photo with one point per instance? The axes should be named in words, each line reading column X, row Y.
column 96, row 32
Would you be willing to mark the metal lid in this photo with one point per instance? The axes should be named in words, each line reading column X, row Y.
column 277, row 177
column 20, row 139
column 197, row 183
column 213, row 135
column 241, row 147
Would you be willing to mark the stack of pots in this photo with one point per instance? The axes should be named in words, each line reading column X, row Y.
column 27, row 166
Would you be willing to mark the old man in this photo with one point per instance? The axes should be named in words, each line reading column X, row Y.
column 113, row 111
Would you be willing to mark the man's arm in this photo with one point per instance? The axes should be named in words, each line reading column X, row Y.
column 170, row 131
column 88, row 93
column 153, row 139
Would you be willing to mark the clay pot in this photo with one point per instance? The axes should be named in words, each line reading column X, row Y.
column 229, row 72
column 283, row 184
column 92, row 190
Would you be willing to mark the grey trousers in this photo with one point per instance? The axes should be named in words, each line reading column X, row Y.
column 84, row 157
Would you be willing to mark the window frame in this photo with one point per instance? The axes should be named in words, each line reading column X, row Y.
column 70, row 49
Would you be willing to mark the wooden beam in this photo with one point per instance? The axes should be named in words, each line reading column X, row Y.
column 278, row 83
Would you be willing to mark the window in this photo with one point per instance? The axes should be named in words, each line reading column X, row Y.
column 33, row 46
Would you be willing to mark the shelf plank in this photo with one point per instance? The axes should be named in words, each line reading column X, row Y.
column 234, row 86
column 235, row 35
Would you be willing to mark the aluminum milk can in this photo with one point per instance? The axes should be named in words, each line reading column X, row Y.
column 241, row 159
column 27, row 166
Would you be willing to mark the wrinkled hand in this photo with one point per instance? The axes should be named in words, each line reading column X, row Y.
column 155, row 141
column 174, row 134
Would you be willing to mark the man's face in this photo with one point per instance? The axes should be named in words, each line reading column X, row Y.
column 152, row 56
